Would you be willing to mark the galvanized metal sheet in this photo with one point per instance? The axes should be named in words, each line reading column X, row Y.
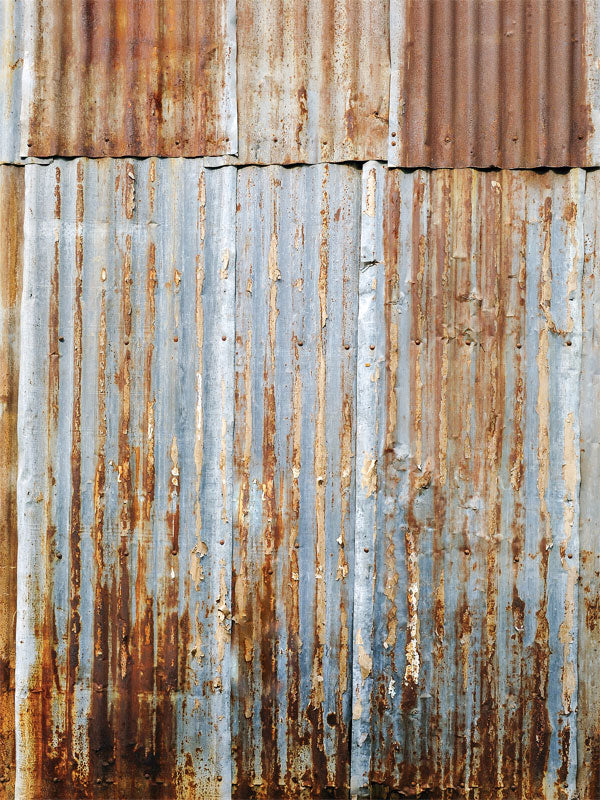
column 129, row 77
column 11, row 255
column 296, row 306
column 125, row 475
column 467, row 492
column 510, row 83
column 313, row 80
column 336, row 411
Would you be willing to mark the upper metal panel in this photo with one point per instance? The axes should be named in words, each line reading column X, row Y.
column 11, row 73
column 509, row 83
column 129, row 77
column 467, row 511
column 313, row 80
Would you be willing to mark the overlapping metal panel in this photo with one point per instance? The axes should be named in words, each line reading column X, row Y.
column 11, row 254
column 11, row 71
column 129, row 77
column 127, row 465
column 296, row 307
column 467, row 522
column 509, row 83
column 125, row 476
column 313, row 80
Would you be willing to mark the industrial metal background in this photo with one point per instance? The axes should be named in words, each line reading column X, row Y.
column 300, row 446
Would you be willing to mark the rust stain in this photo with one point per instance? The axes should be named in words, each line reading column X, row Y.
column 11, row 266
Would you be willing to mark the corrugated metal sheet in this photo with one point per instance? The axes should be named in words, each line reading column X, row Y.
column 125, row 475
column 313, row 80
column 11, row 254
column 296, row 306
column 308, row 456
column 129, row 77
column 126, row 414
column 511, row 83
column 467, row 522
column 11, row 69
column 299, row 482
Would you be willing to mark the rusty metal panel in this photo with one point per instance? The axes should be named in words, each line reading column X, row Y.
column 313, row 80
column 509, row 83
column 467, row 490
column 125, row 474
column 129, row 77
column 11, row 255
column 11, row 69
column 296, row 306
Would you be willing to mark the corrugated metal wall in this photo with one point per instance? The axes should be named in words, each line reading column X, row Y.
column 300, row 456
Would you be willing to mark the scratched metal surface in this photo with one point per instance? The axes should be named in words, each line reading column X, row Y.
column 296, row 306
column 128, row 77
column 11, row 255
column 125, row 474
column 467, row 489
column 506, row 83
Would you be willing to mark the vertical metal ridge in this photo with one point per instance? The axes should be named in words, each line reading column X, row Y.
column 11, row 75
column 588, row 729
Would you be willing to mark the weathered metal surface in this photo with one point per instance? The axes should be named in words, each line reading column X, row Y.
column 467, row 490
column 335, row 411
column 129, row 77
column 313, row 80
column 510, row 83
column 11, row 68
column 296, row 306
column 11, row 255
column 125, row 475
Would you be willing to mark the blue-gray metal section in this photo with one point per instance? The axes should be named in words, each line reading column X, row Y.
column 465, row 615
column 125, row 519
column 298, row 250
